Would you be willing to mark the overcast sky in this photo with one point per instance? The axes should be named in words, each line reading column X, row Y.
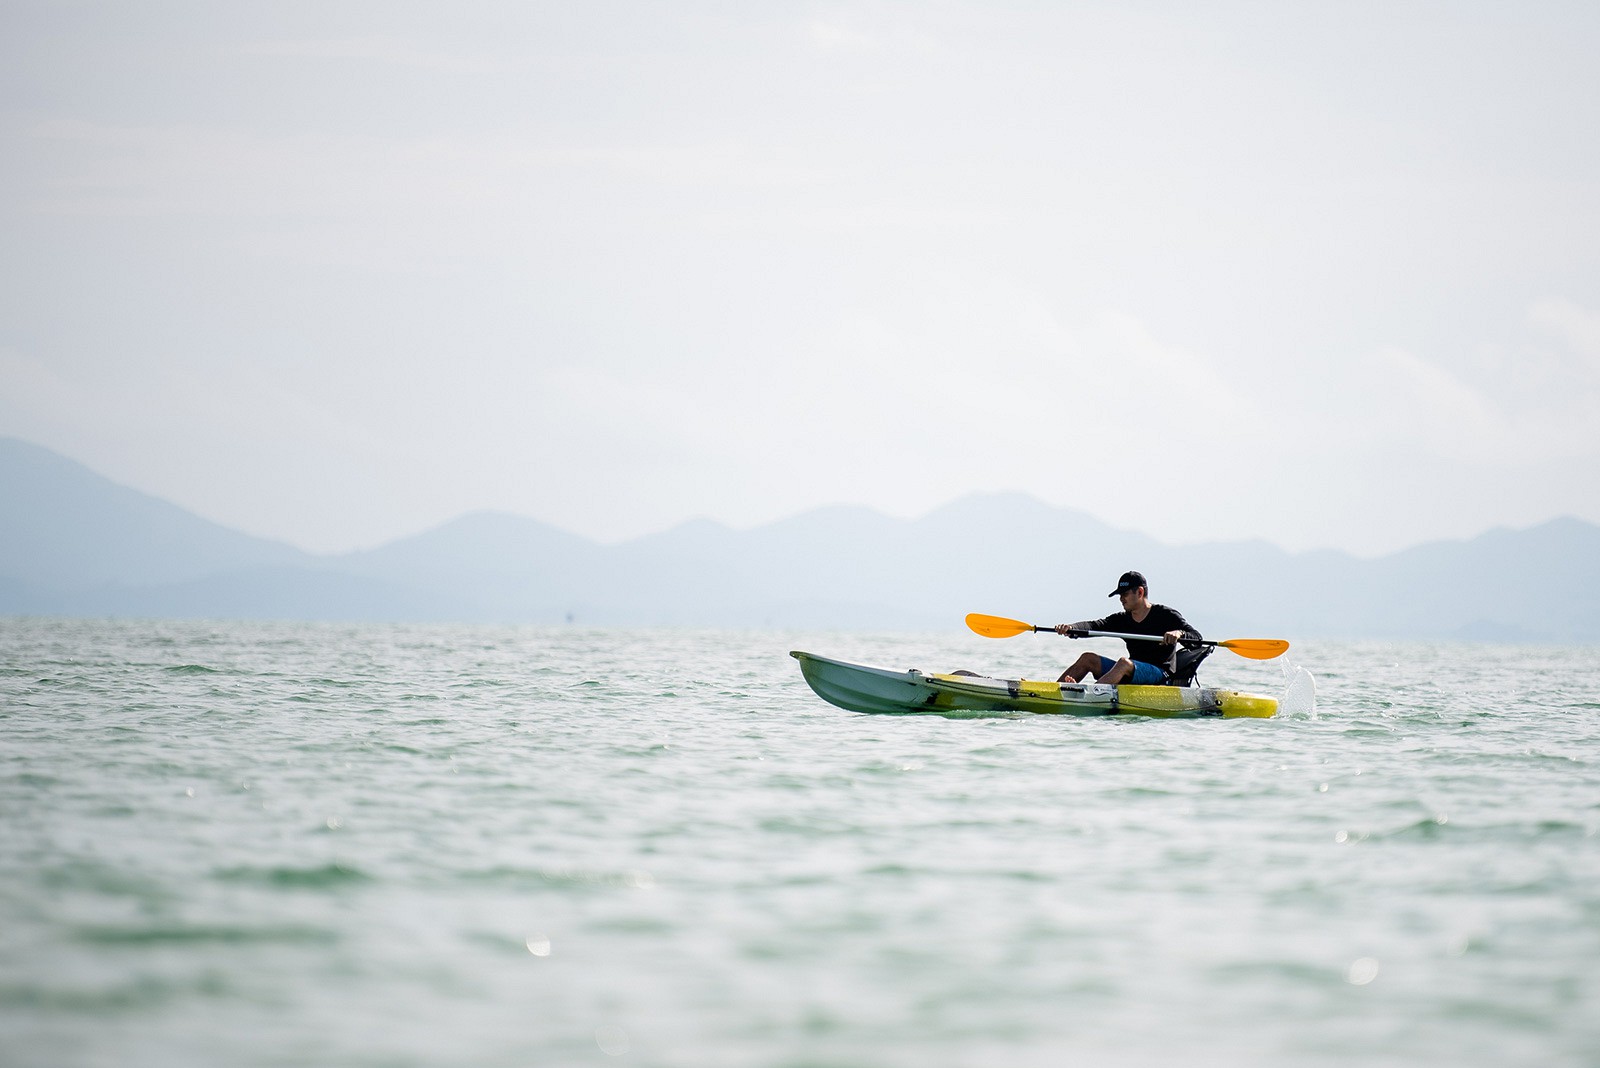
column 1323, row 274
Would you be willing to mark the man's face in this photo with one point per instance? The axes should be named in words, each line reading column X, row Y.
column 1130, row 597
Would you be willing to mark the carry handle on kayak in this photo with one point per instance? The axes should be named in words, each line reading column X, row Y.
column 1252, row 648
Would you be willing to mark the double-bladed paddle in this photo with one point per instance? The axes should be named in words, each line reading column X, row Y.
column 1253, row 648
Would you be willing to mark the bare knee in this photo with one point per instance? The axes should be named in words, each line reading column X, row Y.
column 1119, row 671
column 1086, row 665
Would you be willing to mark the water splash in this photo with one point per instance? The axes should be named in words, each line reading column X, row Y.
column 1299, row 692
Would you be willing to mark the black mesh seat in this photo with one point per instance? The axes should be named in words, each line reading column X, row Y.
column 1187, row 663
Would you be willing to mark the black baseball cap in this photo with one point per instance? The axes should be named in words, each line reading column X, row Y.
column 1130, row 580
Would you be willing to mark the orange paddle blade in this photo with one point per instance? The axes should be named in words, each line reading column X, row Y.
column 1256, row 648
column 998, row 626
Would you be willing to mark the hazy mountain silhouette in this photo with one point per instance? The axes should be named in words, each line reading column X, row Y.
column 74, row 543
column 64, row 527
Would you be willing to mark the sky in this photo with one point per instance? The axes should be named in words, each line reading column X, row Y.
column 1323, row 274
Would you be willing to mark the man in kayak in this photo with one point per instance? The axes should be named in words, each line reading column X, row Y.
column 1148, row 663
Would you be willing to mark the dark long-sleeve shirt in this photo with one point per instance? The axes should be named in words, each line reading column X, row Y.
column 1157, row 621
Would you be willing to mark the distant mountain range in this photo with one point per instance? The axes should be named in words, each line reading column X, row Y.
column 73, row 543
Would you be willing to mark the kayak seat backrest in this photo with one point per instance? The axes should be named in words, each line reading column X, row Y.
column 1188, row 663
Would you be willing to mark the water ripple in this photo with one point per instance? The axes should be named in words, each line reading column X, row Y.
column 268, row 844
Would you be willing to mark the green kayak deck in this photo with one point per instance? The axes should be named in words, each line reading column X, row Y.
column 861, row 688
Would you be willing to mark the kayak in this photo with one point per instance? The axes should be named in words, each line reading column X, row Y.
column 860, row 688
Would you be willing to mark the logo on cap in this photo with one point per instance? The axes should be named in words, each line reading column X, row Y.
column 1130, row 580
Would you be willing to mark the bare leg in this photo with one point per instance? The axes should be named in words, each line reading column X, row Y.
column 1086, row 665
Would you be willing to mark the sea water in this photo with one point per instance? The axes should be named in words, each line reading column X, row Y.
column 288, row 844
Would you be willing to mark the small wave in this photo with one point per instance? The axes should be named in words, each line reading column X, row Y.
column 635, row 925
column 1427, row 829
column 1515, row 833
column 220, row 934
column 33, row 779
column 325, row 877
column 100, row 879
column 1141, row 791
column 563, row 877
column 1275, row 971
column 892, row 869
column 191, row 669
column 140, row 994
